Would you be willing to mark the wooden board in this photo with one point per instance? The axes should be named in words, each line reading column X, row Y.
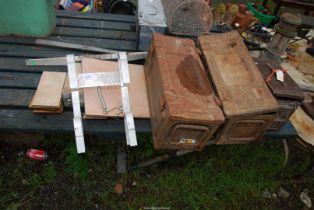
column 238, row 82
column 286, row 89
column 49, row 91
column 47, row 111
column 112, row 95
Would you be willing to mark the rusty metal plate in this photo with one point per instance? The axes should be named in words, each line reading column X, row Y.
column 236, row 78
column 286, row 109
column 244, row 129
column 184, row 112
column 304, row 125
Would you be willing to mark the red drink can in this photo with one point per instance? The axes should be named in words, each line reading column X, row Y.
column 37, row 154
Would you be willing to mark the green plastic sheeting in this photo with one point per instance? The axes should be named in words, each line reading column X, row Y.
column 34, row 18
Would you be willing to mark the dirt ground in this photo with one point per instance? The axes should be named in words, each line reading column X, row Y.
column 220, row 177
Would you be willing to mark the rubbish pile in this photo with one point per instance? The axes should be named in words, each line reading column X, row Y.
column 195, row 86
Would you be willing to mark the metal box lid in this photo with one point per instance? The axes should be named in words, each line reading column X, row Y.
column 187, row 91
column 239, row 84
column 151, row 13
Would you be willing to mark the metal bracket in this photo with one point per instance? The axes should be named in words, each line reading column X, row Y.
column 98, row 80
column 77, row 119
column 62, row 61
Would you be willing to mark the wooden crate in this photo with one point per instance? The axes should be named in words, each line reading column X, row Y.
column 184, row 112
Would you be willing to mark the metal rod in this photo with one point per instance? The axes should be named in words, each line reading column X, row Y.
column 102, row 100
column 66, row 45
column 61, row 61
column 164, row 157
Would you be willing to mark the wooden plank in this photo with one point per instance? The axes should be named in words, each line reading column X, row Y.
column 286, row 89
column 49, row 111
column 94, row 33
column 12, row 64
column 26, row 120
column 96, row 16
column 238, row 82
column 112, row 95
column 49, row 91
column 19, row 80
column 15, row 97
column 81, row 23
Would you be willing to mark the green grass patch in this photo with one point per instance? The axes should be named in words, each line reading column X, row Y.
column 220, row 177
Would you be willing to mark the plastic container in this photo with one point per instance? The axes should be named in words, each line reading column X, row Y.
column 266, row 19
column 34, row 18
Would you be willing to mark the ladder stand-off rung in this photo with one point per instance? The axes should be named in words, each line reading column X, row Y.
column 98, row 80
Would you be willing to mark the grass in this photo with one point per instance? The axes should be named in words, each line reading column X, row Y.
column 220, row 177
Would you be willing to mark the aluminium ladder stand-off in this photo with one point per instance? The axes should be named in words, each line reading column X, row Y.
column 77, row 81
column 88, row 80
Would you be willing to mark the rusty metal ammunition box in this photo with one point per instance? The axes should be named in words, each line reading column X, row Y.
column 248, row 104
column 184, row 112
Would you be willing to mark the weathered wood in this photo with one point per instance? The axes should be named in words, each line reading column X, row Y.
column 96, row 16
column 49, row 91
column 112, row 95
column 94, row 33
column 119, row 26
column 25, row 120
column 15, row 97
column 286, row 89
column 19, row 80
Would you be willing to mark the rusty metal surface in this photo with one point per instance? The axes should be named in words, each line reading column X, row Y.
column 184, row 112
column 237, row 80
column 304, row 125
column 188, row 17
column 244, row 129
column 286, row 109
column 247, row 102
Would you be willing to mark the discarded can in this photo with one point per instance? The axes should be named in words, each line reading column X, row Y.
column 37, row 154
